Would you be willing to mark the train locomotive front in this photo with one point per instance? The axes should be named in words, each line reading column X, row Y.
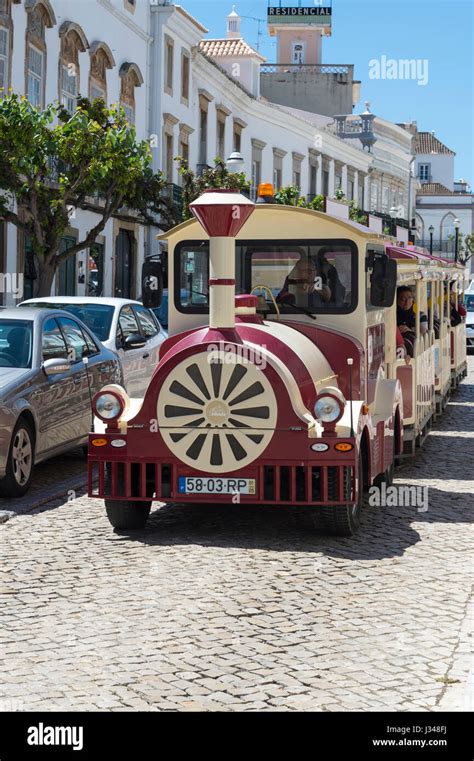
column 281, row 411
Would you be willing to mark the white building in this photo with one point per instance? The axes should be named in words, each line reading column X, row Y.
column 441, row 203
column 206, row 103
column 57, row 49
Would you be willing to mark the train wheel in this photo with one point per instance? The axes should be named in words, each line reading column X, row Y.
column 344, row 520
column 125, row 514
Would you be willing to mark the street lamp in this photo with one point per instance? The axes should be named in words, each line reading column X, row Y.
column 431, row 231
column 457, row 225
column 235, row 162
column 394, row 214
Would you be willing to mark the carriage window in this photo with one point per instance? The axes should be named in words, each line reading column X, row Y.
column 318, row 276
column 193, row 277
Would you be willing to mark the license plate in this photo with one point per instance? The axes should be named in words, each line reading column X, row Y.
column 194, row 485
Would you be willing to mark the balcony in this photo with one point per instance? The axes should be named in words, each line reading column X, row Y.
column 174, row 194
column 319, row 88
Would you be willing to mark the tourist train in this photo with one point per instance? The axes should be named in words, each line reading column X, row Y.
column 283, row 380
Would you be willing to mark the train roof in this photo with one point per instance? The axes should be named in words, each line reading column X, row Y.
column 354, row 227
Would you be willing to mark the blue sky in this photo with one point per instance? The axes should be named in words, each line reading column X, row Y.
column 440, row 31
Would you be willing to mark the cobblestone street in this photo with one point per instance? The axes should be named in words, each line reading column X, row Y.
column 247, row 609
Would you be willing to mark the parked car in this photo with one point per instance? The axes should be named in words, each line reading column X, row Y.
column 46, row 388
column 123, row 325
column 469, row 304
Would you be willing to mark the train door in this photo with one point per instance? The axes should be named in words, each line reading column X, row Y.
column 424, row 356
column 457, row 335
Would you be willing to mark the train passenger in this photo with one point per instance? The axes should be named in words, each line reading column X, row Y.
column 458, row 310
column 406, row 318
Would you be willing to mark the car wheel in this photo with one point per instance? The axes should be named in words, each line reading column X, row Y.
column 21, row 455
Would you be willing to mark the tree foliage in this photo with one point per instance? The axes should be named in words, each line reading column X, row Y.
column 212, row 177
column 53, row 162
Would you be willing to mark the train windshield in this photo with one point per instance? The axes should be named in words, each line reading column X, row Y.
column 319, row 276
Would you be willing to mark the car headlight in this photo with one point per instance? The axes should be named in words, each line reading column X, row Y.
column 110, row 403
column 329, row 406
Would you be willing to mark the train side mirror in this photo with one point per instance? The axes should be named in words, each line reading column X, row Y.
column 152, row 283
column 383, row 281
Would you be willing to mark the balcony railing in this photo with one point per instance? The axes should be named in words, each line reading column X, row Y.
column 307, row 68
column 173, row 193
column 445, row 247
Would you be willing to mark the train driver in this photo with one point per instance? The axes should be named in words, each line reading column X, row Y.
column 313, row 283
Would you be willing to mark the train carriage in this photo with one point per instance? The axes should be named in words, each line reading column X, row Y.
column 280, row 382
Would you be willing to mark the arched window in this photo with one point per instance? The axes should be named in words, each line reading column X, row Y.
column 6, row 45
column 73, row 42
column 448, row 230
column 131, row 78
column 101, row 60
column 40, row 16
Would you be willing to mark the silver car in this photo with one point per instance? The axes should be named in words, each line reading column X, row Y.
column 50, row 367
column 123, row 325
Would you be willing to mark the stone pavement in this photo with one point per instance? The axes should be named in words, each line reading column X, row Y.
column 247, row 608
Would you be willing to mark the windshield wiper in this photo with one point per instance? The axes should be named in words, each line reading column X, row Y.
column 300, row 309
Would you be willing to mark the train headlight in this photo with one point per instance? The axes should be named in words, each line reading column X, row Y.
column 329, row 406
column 110, row 403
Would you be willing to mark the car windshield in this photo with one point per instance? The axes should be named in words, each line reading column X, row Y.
column 16, row 343
column 97, row 317
column 469, row 301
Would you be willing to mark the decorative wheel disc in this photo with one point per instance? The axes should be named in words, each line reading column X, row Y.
column 217, row 412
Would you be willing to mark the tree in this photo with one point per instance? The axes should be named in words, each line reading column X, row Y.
column 466, row 247
column 213, row 177
column 53, row 162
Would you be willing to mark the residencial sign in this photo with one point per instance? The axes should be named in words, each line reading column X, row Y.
column 290, row 15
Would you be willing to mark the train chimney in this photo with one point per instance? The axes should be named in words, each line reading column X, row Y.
column 222, row 213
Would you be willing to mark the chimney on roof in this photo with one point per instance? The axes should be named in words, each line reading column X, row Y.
column 233, row 25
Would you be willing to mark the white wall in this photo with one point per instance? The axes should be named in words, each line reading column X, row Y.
column 127, row 35
column 442, row 167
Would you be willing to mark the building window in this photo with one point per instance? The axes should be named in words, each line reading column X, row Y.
column 297, row 159
column 277, row 179
column 373, row 197
column 184, row 76
column 256, row 177
column 203, row 136
column 169, row 157
column 37, row 20
column 130, row 79
column 73, row 42
column 313, row 174
column 325, row 179
column 221, row 138
column 350, row 190
column 35, row 77
column 385, row 199
column 4, row 57
column 237, row 140
column 169, row 52
column 101, row 60
column 424, row 172
column 69, row 87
